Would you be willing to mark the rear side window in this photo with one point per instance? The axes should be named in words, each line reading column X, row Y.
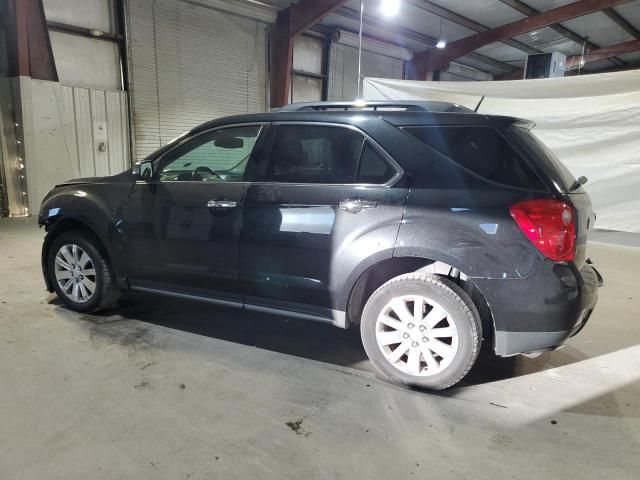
column 314, row 154
column 325, row 154
column 373, row 168
column 482, row 150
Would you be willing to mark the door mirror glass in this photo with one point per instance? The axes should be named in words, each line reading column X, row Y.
column 229, row 142
column 144, row 170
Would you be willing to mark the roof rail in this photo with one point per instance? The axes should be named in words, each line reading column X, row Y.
column 377, row 105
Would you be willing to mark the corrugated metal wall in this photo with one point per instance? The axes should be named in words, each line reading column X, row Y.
column 343, row 70
column 96, row 127
column 71, row 132
column 188, row 64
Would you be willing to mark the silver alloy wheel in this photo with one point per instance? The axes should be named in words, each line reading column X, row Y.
column 416, row 335
column 75, row 273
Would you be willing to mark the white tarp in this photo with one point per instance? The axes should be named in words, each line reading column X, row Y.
column 591, row 122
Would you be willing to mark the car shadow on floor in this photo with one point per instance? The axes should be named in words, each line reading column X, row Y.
column 305, row 339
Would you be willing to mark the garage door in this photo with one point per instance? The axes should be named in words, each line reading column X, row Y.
column 188, row 64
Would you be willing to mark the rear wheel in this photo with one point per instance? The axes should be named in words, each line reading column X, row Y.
column 80, row 274
column 421, row 330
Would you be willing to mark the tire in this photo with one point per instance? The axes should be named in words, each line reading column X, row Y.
column 400, row 344
column 104, row 293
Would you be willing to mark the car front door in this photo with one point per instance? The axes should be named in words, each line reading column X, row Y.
column 326, row 200
column 183, row 225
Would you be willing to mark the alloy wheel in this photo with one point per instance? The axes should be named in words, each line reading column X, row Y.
column 416, row 335
column 75, row 273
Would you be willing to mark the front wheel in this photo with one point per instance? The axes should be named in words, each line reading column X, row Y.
column 421, row 330
column 79, row 273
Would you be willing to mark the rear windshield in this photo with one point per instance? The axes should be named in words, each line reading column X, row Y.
column 550, row 163
column 482, row 150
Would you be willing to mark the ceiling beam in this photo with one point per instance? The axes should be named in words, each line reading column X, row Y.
column 432, row 59
column 306, row 13
column 29, row 46
column 626, row 68
column 458, row 19
column 621, row 22
column 292, row 21
column 413, row 35
column 564, row 31
column 603, row 53
column 576, row 61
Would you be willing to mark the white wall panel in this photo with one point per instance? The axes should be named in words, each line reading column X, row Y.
column 343, row 70
column 96, row 14
column 86, row 62
column 71, row 132
column 189, row 64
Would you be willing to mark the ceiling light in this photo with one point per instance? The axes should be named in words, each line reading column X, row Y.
column 360, row 103
column 389, row 7
column 441, row 44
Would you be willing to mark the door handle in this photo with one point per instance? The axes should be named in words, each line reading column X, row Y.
column 222, row 204
column 356, row 205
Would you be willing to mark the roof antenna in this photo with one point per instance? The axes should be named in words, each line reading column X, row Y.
column 479, row 103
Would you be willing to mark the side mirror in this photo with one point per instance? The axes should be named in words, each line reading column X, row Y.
column 143, row 170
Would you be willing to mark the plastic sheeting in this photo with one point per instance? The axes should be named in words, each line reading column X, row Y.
column 591, row 122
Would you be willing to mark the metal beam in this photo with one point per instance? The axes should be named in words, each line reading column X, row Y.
column 564, row 31
column 292, row 21
column 603, row 53
column 82, row 32
column 621, row 22
column 458, row 19
column 626, row 68
column 32, row 44
column 431, row 60
column 413, row 35
column 306, row 13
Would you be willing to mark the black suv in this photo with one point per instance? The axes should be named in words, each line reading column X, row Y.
column 426, row 224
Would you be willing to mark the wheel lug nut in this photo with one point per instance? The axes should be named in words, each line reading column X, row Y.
column 414, row 344
column 411, row 325
column 425, row 339
column 422, row 328
column 405, row 335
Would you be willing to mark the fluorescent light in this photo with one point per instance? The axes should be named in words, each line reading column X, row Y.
column 441, row 44
column 389, row 8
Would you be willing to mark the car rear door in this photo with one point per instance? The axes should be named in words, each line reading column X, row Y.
column 183, row 225
column 326, row 201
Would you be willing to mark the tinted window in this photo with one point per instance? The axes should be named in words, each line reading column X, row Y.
column 219, row 156
column 314, row 154
column 481, row 150
column 373, row 168
column 561, row 175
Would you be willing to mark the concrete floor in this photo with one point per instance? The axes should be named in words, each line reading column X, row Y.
column 165, row 389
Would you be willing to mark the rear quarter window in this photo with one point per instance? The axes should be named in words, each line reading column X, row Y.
column 539, row 152
column 481, row 150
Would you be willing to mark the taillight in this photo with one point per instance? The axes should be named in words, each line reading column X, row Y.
column 548, row 223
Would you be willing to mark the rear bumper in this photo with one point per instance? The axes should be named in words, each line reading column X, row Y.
column 541, row 311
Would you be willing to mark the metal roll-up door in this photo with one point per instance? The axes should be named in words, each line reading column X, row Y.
column 188, row 64
column 343, row 69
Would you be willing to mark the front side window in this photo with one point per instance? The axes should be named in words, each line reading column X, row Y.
column 315, row 154
column 481, row 150
column 218, row 156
